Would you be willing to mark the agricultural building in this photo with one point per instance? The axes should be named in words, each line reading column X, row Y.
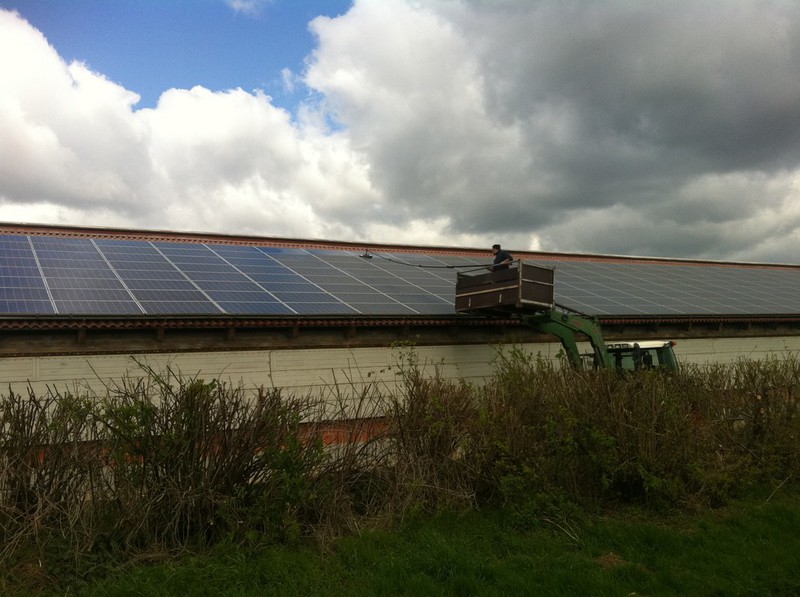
column 83, row 308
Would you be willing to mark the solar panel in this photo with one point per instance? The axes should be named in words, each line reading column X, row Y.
column 418, row 291
column 83, row 275
column 228, row 288
column 158, row 286
column 22, row 288
column 79, row 279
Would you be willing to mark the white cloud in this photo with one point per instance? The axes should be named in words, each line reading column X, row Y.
column 68, row 135
column 415, row 103
column 74, row 149
column 250, row 8
column 288, row 79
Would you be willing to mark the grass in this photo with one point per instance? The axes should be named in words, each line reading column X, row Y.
column 749, row 548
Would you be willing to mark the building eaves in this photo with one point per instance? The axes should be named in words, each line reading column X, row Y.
column 193, row 322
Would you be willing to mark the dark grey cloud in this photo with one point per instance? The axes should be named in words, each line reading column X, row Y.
column 654, row 95
column 584, row 109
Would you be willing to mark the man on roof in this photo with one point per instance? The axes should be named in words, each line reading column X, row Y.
column 502, row 259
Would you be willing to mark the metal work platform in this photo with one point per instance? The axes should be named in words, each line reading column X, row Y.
column 523, row 287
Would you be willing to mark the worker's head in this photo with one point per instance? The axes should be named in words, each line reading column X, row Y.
column 495, row 248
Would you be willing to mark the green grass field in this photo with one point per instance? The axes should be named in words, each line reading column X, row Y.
column 749, row 548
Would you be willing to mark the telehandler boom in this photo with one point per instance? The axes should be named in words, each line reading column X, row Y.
column 528, row 292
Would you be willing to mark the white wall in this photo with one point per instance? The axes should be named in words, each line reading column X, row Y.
column 299, row 370
column 320, row 370
column 729, row 350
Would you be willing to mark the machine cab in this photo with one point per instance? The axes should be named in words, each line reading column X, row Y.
column 633, row 356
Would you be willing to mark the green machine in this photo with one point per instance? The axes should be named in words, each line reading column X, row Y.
column 527, row 292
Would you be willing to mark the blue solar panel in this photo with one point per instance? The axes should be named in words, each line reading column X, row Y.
column 378, row 285
column 158, row 286
column 22, row 288
column 79, row 279
column 227, row 287
column 273, row 278
column 83, row 275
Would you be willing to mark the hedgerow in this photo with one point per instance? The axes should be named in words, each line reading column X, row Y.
column 163, row 463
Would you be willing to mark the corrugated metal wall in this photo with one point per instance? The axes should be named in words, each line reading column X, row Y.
column 335, row 370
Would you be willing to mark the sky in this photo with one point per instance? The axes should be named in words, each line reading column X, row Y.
column 668, row 129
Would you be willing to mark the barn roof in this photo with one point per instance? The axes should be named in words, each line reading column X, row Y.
column 61, row 272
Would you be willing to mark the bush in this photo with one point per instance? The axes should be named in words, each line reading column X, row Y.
column 165, row 463
column 157, row 464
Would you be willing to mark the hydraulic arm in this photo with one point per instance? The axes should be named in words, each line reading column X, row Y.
column 568, row 327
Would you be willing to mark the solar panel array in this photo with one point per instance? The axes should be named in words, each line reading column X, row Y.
column 43, row 275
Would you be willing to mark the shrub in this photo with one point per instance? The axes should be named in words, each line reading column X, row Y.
column 430, row 427
column 159, row 463
column 163, row 462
